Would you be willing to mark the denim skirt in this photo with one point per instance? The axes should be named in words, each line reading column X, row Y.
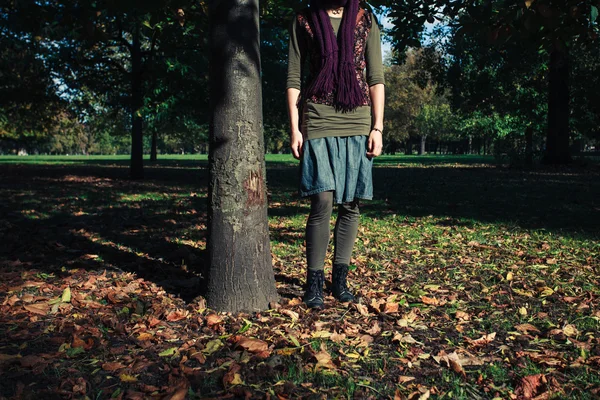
column 339, row 164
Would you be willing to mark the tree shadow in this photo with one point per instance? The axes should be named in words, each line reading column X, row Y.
column 87, row 218
column 57, row 216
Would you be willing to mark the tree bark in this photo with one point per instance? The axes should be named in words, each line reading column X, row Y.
column 557, row 139
column 422, row 146
column 240, row 273
column 137, row 100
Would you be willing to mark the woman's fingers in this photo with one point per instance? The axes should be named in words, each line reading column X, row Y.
column 297, row 147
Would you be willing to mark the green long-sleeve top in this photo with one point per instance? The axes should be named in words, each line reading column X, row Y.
column 320, row 120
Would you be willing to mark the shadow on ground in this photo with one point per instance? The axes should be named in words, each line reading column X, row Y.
column 92, row 216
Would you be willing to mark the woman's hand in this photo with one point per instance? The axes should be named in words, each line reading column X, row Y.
column 375, row 145
column 296, row 141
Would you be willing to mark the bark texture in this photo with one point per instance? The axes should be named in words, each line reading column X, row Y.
column 240, row 273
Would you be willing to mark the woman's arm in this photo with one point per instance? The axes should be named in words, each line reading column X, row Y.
column 375, row 145
column 376, row 82
column 294, row 79
column 296, row 138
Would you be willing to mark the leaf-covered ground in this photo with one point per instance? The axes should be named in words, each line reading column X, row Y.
column 475, row 282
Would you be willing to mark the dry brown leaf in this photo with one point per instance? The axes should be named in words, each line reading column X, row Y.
column 112, row 366
column 292, row 314
column 177, row 315
column 324, row 360
column 530, row 386
column 365, row 340
column 38, row 308
column 213, row 319
column 391, row 308
column 362, row 309
column 432, row 301
column 337, row 337
column 31, row 361
column 526, row 328
column 482, row 341
column 143, row 336
column 375, row 329
column 404, row 379
column 462, row 315
column 253, row 345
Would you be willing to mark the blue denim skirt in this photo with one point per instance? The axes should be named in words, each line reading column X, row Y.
column 339, row 164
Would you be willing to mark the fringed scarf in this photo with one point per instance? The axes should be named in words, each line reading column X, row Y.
column 337, row 57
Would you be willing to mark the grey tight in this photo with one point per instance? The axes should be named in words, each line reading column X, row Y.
column 317, row 230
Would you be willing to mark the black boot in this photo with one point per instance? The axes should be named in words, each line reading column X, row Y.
column 339, row 287
column 313, row 297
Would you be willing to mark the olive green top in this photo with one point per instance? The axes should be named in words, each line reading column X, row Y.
column 321, row 120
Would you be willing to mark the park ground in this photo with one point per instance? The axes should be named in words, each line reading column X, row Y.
column 477, row 281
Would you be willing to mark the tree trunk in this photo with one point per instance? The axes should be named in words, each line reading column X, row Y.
column 422, row 146
column 137, row 100
column 557, row 139
column 240, row 275
column 408, row 148
column 153, row 152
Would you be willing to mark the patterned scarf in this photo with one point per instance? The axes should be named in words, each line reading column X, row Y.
column 337, row 60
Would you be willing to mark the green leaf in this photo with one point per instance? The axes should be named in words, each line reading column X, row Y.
column 594, row 13
column 168, row 352
column 247, row 325
column 212, row 346
column 66, row 296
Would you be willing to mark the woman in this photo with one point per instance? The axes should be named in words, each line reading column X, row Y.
column 336, row 123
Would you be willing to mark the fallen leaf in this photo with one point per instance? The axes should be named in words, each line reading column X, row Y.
column 292, row 314
column 127, row 378
column 526, row 328
column 169, row 352
column 391, row 308
column 324, row 361
column 212, row 346
column 530, row 386
column 37, row 308
column 482, row 341
column 570, row 330
column 177, row 315
column 337, row 337
column 362, row 309
column 453, row 362
column 375, row 329
column 462, row 315
column 253, row 345
column 66, row 296
column 404, row 379
column 31, row 361
column 112, row 366
column 213, row 319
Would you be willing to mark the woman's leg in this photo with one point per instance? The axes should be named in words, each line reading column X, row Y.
column 346, row 229
column 317, row 241
column 317, row 229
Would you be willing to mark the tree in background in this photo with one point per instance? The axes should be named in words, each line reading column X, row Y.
column 548, row 26
column 28, row 102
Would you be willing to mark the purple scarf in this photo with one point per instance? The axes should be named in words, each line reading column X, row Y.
column 337, row 61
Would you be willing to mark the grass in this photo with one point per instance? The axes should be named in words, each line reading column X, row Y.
column 463, row 248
